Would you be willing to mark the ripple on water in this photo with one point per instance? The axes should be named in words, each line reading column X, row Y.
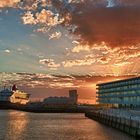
column 17, row 125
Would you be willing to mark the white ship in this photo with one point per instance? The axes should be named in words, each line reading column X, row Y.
column 13, row 96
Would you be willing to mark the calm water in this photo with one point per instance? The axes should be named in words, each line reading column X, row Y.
column 15, row 125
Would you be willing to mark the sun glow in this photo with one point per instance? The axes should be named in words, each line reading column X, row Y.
column 118, row 70
column 92, row 86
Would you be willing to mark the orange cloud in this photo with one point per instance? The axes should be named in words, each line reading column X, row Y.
column 28, row 18
column 9, row 3
column 118, row 60
column 117, row 26
column 44, row 19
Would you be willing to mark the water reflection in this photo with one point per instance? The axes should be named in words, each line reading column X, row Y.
column 16, row 125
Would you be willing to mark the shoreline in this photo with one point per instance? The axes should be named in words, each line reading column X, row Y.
column 47, row 109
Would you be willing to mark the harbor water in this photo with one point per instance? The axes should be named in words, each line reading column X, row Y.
column 17, row 125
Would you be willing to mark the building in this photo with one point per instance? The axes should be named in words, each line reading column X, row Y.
column 122, row 93
column 73, row 96
column 71, row 100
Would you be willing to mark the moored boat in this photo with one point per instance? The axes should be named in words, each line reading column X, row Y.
column 12, row 96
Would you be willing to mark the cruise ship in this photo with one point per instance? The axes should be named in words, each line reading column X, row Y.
column 12, row 96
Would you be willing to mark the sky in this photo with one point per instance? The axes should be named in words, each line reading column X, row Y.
column 50, row 46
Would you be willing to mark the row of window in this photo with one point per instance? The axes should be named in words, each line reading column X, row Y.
column 128, row 87
column 124, row 93
column 120, row 83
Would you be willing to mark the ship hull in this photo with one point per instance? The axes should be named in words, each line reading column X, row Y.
column 5, row 105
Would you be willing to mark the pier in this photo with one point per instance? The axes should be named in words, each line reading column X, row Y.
column 123, row 120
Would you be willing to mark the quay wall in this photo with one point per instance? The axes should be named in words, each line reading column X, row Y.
column 127, row 125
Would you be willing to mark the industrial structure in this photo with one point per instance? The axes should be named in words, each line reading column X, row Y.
column 71, row 100
column 122, row 93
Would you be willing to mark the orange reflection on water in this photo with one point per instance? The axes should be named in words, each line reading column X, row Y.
column 17, row 123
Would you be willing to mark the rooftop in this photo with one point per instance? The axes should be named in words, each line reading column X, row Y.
column 117, row 81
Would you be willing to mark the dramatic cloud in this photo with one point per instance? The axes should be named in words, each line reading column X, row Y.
column 117, row 26
column 115, row 22
column 105, row 34
column 118, row 60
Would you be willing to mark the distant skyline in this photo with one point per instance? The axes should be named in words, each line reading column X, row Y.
column 69, row 38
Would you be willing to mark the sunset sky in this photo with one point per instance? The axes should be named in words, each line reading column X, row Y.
column 50, row 46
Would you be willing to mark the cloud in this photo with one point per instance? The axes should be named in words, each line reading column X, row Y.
column 104, row 60
column 117, row 26
column 111, row 3
column 106, row 32
column 7, row 51
column 80, row 47
column 78, row 62
column 8, row 3
column 123, row 64
column 44, row 20
column 45, row 17
column 28, row 18
column 116, row 22
column 105, row 55
column 50, row 63
column 33, row 5
column 49, row 81
column 56, row 35
column 62, row 84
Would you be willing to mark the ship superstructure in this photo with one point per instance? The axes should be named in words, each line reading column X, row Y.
column 19, row 97
column 5, row 95
column 14, row 96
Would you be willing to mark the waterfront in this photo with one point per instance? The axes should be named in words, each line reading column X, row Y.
column 17, row 125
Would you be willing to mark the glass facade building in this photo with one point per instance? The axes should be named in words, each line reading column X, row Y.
column 120, row 93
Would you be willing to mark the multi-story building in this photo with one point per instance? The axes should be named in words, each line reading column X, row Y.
column 124, row 93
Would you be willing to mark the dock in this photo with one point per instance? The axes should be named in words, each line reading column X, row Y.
column 125, row 121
